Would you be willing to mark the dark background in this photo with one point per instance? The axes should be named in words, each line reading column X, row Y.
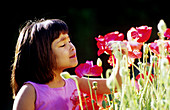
column 84, row 25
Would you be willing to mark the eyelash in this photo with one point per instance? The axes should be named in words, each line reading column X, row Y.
column 64, row 44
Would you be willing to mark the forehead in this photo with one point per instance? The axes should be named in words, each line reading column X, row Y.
column 62, row 37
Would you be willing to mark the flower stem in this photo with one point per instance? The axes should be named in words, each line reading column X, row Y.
column 90, row 93
column 85, row 103
column 81, row 106
column 95, row 95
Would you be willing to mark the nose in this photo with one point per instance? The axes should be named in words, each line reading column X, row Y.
column 72, row 47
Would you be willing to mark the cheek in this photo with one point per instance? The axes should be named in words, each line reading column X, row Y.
column 60, row 56
column 59, row 53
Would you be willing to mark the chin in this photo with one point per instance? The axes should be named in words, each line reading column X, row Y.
column 75, row 64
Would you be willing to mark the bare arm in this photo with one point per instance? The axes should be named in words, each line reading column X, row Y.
column 101, row 84
column 25, row 99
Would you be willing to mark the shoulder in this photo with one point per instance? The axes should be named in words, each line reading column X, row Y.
column 70, row 81
column 25, row 98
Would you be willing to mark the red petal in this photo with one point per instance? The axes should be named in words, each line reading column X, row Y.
column 100, row 52
column 95, row 71
column 167, row 33
column 100, row 38
column 82, row 69
column 134, row 34
column 154, row 47
column 134, row 54
column 114, row 36
column 145, row 31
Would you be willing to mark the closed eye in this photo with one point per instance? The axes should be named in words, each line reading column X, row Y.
column 63, row 45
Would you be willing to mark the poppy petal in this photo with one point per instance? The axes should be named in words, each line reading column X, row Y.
column 95, row 71
column 82, row 69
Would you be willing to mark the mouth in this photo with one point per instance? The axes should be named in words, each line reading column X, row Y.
column 73, row 56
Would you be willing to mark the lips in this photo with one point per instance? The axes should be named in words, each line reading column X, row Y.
column 73, row 56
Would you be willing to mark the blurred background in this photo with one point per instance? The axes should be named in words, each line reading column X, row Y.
column 84, row 25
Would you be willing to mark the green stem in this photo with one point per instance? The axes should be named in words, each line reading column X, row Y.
column 102, row 75
column 91, row 93
column 81, row 106
column 95, row 95
column 85, row 103
column 146, row 84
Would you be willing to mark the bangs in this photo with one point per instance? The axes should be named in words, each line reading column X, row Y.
column 58, row 27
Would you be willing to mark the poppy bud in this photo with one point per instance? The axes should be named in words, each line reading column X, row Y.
column 161, row 26
column 146, row 49
column 65, row 75
column 94, row 85
column 99, row 62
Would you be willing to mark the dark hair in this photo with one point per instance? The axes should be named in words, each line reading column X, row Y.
column 33, row 55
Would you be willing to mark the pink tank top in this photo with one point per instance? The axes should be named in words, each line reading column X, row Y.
column 54, row 98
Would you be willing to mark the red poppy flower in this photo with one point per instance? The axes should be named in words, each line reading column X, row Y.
column 102, row 42
column 88, row 69
column 167, row 33
column 140, row 34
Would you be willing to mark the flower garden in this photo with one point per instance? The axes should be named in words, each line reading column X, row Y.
column 150, row 89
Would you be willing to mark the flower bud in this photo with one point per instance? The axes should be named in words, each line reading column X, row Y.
column 146, row 49
column 99, row 62
column 65, row 75
column 94, row 85
column 161, row 26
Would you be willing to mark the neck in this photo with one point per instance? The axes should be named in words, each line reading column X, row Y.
column 57, row 81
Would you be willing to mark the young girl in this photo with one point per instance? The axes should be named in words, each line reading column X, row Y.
column 43, row 51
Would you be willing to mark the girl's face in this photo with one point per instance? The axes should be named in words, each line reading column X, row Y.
column 64, row 52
